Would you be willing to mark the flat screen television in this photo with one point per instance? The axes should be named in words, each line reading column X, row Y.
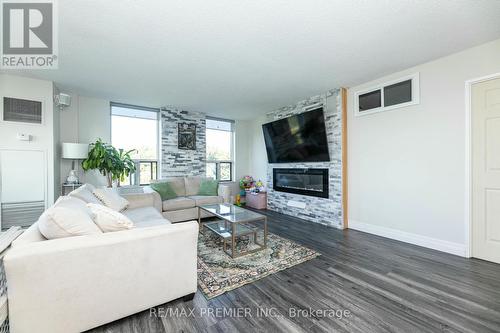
column 299, row 138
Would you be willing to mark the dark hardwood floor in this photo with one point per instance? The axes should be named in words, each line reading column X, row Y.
column 379, row 285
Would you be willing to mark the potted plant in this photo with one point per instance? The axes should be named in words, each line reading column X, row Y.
column 114, row 164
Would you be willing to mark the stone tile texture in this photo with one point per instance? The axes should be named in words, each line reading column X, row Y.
column 178, row 162
column 319, row 210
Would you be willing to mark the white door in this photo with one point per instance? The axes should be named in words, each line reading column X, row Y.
column 486, row 170
column 22, row 187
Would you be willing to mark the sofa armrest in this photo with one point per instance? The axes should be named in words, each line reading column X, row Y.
column 149, row 198
column 224, row 191
column 61, row 285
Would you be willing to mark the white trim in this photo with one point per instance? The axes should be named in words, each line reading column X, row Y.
column 468, row 159
column 415, row 98
column 402, row 236
column 157, row 111
column 233, row 154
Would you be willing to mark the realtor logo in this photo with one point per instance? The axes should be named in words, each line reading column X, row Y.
column 29, row 34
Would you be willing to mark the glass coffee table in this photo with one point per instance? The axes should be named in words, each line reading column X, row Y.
column 234, row 222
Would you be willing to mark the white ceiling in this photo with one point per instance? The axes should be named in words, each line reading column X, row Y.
column 237, row 59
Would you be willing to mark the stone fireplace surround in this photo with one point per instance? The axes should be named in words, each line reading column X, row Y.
column 327, row 211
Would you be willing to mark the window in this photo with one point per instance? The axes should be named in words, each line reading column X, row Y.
column 220, row 143
column 397, row 93
column 134, row 127
column 388, row 96
column 370, row 100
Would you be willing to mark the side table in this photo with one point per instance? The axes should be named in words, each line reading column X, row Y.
column 67, row 188
column 257, row 200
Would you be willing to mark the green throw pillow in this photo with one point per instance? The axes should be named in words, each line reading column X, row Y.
column 208, row 187
column 165, row 190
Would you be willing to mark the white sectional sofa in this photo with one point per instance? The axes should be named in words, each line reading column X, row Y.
column 184, row 206
column 77, row 283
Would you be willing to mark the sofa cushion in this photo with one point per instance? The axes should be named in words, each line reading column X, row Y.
column 84, row 193
column 110, row 198
column 178, row 203
column 143, row 214
column 66, row 218
column 206, row 199
column 187, row 214
column 152, row 223
column 208, row 187
column 109, row 220
column 193, row 185
column 165, row 190
column 177, row 184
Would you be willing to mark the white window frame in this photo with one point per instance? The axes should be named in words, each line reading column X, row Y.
column 415, row 95
column 233, row 153
column 137, row 175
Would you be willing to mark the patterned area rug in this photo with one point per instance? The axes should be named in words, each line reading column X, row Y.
column 218, row 272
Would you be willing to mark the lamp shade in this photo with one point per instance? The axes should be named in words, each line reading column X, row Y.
column 75, row 151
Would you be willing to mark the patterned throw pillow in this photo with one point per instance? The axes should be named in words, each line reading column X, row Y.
column 84, row 193
column 208, row 187
column 109, row 220
column 165, row 190
column 110, row 198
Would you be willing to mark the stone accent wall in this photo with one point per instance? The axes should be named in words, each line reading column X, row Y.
column 177, row 162
column 320, row 210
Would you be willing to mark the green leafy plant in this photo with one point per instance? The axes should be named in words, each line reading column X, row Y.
column 114, row 164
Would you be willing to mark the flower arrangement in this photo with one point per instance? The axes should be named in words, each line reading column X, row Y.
column 259, row 186
column 246, row 182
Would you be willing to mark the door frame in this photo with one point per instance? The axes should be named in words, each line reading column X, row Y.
column 468, row 158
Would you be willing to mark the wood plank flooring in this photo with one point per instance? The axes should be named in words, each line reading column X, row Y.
column 385, row 285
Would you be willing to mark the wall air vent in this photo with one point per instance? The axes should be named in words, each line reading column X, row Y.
column 22, row 110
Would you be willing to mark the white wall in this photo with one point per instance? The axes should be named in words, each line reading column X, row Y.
column 257, row 147
column 43, row 135
column 86, row 120
column 407, row 166
column 68, row 132
column 56, row 146
column 242, row 144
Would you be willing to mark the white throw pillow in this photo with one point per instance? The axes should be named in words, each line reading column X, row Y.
column 109, row 220
column 84, row 193
column 68, row 217
column 110, row 198
column 72, row 203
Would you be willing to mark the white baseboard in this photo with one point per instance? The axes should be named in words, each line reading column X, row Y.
column 431, row 243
